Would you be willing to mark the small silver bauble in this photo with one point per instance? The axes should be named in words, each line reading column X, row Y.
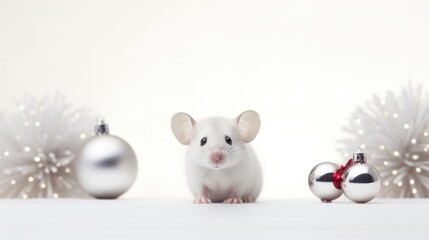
column 106, row 165
column 361, row 181
column 321, row 184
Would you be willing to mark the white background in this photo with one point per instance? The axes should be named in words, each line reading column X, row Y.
column 303, row 65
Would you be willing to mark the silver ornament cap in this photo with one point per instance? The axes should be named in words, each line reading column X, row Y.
column 361, row 181
column 320, row 181
column 106, row 165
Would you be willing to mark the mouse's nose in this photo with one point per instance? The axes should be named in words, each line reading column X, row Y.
column 216, row 156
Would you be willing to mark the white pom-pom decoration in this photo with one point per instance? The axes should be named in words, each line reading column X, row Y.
column 394, row 131
column 37, row 147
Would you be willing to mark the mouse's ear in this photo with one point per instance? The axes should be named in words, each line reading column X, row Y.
column 248, row 124
column 183, row 127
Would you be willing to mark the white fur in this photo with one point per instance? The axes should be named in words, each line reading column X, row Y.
column 239, row 175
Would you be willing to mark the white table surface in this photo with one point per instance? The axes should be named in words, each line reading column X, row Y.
column 150, row 219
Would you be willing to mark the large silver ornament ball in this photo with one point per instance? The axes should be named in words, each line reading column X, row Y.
column 106, row 166
column 361, row 183
column 321, row 183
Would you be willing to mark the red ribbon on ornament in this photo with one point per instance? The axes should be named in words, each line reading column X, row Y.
column 338, row 174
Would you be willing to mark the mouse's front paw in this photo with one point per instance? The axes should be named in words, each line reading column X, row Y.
column 202, row 200
column 233, row 201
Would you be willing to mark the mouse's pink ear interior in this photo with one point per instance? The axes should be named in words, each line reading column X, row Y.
column 182, row 126
column 248, row 124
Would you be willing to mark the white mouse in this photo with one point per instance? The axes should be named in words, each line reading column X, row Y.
column 220, row 164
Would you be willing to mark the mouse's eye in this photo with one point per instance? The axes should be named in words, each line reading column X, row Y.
column 203, row 141
column 228, row 140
